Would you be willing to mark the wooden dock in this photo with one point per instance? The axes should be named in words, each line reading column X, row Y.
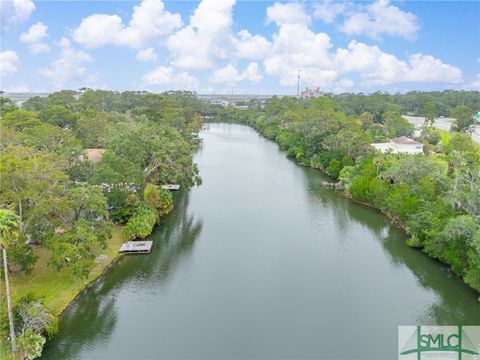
column 136, row 247
column 171, row 187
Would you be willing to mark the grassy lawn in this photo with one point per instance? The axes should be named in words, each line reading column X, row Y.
column 57, row 287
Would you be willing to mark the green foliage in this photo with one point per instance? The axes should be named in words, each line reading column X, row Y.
column 372, row 190
column 20, row 119
column 36, row 103
column 6, row 105
column 160, row 199
column 401, row 202
column 472, row 272
column 463, row 118
column 334, row 167
column 429, row 111
column 454, row 242
column 396, row 125
column 92, row 129
column 141, row 223
column 73, row 248
column 21, row 254
column 57, row 115
column 30, row 345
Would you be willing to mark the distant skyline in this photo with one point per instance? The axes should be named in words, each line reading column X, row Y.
column 248, row 47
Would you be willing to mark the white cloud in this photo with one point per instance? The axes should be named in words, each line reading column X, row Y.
column 295, row 46
column 168, row 79
column 254, row 47
column 68, row 66
column 35, row 37
column 426, row 68
column 474, row 84
column 206, row 38
column 328, row 10
column 14, row 12
column 148, row 54
column 8, row 62
column 379, row 68
column 288, row 13
column 380, row 18
column 251, row 73
column 149, row 23
column 230, row 75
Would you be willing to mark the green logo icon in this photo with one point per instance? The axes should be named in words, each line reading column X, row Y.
column 437, row 342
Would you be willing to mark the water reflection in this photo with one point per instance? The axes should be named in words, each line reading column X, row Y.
column 454, row 302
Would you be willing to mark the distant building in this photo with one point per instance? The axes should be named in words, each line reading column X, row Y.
column 400, row 145
column 311, row 93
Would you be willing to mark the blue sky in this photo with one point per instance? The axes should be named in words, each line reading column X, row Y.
column 220, row 46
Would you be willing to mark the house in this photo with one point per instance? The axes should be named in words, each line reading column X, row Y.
column 400, row 145
column 94, row 155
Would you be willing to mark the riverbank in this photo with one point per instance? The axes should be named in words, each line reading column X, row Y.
column 57, row 288
column 400, row 221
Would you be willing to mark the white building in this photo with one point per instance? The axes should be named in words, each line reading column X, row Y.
column 400, row 145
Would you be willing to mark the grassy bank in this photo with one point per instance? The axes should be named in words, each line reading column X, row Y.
column 57, row 287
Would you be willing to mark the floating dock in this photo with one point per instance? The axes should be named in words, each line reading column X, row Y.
column 171, row 187
column 136, row 247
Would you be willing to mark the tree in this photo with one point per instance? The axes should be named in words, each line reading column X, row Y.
column 58, row 115
column 45, row 137
column 9, row 233
column 160, row 199
column 396, row 125
column 67, row 98
column 30, row 313
column 454, row 242
column 20, row 119
column 82, row 212
column 92, row 129
column 429, row 112
column 463, row 118
column 33, row 184
column 36, row 103
column 6, row 105
column 159, row 154
column 74, row 247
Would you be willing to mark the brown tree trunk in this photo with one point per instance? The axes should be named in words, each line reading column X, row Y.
column 9, row 304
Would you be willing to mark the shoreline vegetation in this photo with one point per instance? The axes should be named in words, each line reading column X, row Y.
column 434, row 195
column 81, row 174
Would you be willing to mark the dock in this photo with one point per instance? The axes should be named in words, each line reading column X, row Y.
column 136, row 247
column 171, row 187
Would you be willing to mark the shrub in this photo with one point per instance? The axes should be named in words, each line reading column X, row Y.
column 373, row 190
column 160, row 199
column 141, row 224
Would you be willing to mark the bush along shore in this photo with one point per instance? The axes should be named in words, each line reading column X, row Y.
column 433, row 193
column 81, row 174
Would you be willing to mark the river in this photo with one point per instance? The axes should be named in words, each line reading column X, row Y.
column 261, row 261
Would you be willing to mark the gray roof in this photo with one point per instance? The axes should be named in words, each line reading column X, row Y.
column 405, row 141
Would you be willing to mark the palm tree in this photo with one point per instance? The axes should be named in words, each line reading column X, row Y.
column 9, row 232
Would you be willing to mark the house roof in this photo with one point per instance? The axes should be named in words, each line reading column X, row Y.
column 95, row 155
column 405, row 141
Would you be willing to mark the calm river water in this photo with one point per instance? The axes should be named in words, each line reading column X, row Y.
column 262, row 262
